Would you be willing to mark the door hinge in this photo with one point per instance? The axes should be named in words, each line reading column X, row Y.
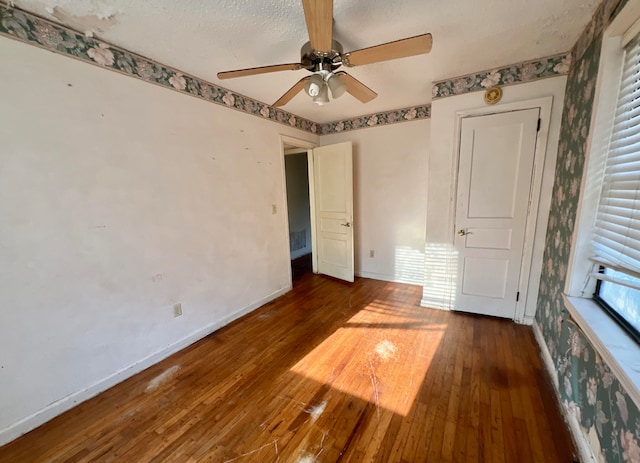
column 517, row 296
column 539, row 125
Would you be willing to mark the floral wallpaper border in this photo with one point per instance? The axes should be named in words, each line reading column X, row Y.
column 526, row 71
column 603, row 16
column 34, row 30
column 373, row 120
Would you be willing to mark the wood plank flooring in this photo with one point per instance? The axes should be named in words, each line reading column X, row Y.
column 330, row 372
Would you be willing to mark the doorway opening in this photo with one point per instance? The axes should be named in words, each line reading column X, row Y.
column 296, row 168
column 319, row 207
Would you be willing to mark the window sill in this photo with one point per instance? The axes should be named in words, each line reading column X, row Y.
column 617, row 349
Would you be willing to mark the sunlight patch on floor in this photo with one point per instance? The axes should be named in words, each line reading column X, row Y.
column 381, row 355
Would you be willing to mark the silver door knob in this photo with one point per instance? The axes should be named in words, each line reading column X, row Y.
column 461, row 232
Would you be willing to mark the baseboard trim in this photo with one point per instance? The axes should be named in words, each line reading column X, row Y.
column 374, row 276
column 432, row 304
column 526, row 320
column 66, row 403
column 579, row 439
column 385, row 277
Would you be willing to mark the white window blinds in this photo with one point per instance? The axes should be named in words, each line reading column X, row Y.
column 617, row 230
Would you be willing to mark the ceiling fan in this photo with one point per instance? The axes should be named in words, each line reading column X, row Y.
column 323, row 55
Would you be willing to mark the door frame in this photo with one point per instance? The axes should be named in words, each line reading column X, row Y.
column 534, row 232
column 308, row 146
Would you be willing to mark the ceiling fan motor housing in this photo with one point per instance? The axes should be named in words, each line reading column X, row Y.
column 314, row 60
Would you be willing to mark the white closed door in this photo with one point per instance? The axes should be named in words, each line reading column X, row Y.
column 333, row 186
column 494, row 182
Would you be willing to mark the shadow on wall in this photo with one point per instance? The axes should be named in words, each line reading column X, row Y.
column 409, row 265
column 441, row 271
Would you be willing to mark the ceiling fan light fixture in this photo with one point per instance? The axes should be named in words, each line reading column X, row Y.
column 322, row 55
column 336, row 85
column 314, row 85
column 323, row 97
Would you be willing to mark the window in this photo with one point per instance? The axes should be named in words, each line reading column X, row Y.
column 616, row 241
column 620, row 301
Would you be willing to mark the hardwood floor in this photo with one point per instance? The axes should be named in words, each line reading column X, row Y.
column 330, row 372
column 301, row 266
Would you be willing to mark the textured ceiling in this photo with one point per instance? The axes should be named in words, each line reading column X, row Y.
column 202, row 37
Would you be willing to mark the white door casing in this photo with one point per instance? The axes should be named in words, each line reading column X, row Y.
column 494, row 189
column 287, row 142
column 333, row 184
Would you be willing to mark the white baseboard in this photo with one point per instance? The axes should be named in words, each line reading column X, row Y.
column 438, row 301
column 375, row 276
column 66, row 403
column 526, row 320
column 385, row 277
column 433, row 304
column 579, row 438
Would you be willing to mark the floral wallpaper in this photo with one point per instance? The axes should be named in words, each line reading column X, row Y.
column 588, row 388
column 527, row 71
column 606, row 12
column 373, row 120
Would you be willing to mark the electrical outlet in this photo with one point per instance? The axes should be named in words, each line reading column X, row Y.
column 372, row 253
column 274, row 209
column 177, row 309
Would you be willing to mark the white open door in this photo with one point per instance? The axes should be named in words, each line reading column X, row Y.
column 494, row 182
column 333, row 185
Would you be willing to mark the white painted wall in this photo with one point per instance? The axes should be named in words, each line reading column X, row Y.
column 390, row 199
column 440, row 261
column 117, row 200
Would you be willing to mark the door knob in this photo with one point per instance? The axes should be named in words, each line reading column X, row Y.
column 346, row 224
column 461, row 232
